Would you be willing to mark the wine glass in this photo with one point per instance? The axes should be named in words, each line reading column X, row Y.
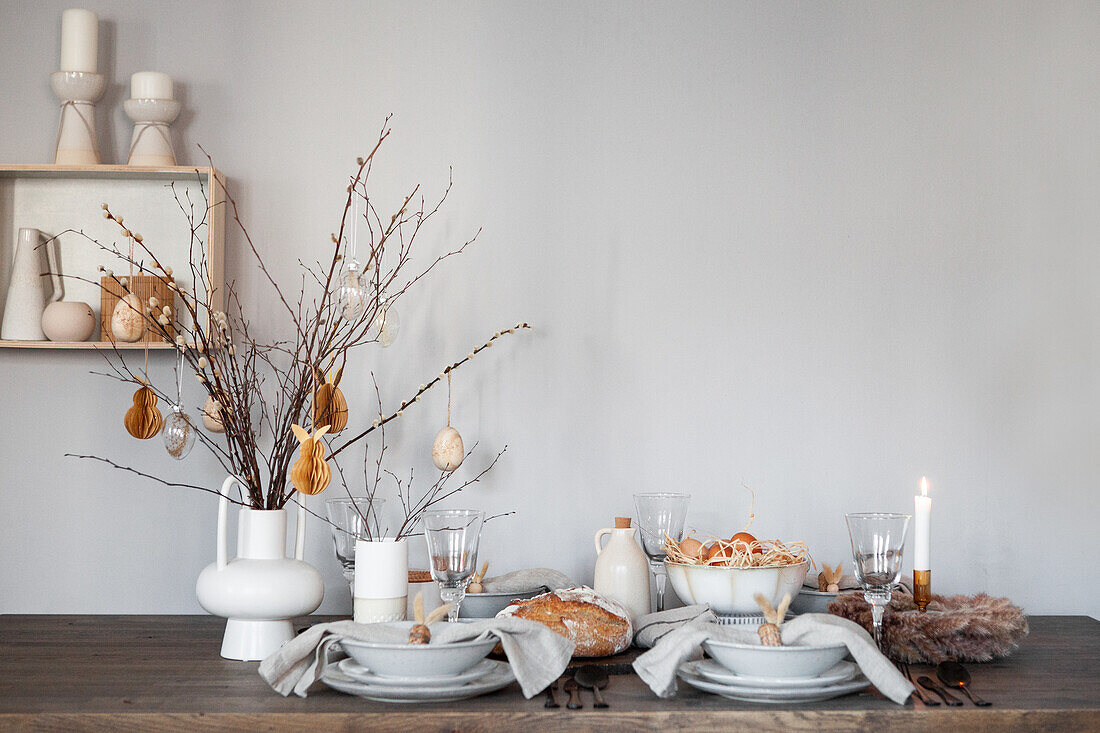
column 346, row 520
column 877, row 543
column 452, row 536
column 660, row 515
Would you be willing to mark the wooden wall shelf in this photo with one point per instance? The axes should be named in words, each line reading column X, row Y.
column 55, row 198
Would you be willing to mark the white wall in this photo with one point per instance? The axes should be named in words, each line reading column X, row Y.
column 819, row 248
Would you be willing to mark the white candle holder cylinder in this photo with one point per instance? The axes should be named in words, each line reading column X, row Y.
column 76, row 135
column 151, row 143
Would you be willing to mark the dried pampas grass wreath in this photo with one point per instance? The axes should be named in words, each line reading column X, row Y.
column 955, row 628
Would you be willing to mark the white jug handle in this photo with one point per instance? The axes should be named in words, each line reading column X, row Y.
column 223, row 518
column 300, row 529
column 599, row 536
column 53, row 259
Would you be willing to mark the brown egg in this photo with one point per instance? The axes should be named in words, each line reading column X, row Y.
column 717, row 553
column 693, row 548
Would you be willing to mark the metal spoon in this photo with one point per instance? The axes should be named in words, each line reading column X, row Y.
column 574, row 695
column 954, row 674
column 595, row 679
column 929, row 684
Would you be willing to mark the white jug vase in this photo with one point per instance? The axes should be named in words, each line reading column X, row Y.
column 622, row 569
column 27, row 294
column 261, row 589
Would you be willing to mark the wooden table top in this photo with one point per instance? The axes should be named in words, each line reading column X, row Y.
column 163, row 673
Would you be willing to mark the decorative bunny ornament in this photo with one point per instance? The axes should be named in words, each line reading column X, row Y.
column 310, row 473
column 828, row 580
column 329, row 406
column 769, row 632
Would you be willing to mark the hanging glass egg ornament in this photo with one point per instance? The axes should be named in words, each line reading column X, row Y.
column 352, row 295
column 179, row 434
column 387, row 324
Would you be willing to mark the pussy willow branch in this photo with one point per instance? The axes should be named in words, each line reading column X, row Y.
column 425, row 387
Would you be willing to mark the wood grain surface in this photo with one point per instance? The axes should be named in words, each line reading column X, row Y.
column 163, row 673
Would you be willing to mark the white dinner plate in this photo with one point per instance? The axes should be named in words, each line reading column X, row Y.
column 500, row 677
column 359, row 673
column 715, row 672
column 772, row 695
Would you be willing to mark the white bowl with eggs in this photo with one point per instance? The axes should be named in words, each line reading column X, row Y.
column 731, row 591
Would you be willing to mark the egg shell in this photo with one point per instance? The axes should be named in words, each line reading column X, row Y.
column 447, row 449
column 692, row 548
column 127, row 322
column 211, row 416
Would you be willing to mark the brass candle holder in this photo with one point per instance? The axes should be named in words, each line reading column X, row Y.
column 922, row 589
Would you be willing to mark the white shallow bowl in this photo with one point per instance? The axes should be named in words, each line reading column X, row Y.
column 488, row 605
column 755, row 660
column 417, row 660
column 730, row 591
column 812, row 601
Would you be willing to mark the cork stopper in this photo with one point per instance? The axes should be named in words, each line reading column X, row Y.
column 622, row 522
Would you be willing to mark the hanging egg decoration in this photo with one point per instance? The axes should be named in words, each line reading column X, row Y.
column 179, row 434
column 387, row 324
column 212, row 415
column 310, row 474
column 447, row 449
column 128, row 320
column 352, row 295
column 143, row 420
column 330, row 408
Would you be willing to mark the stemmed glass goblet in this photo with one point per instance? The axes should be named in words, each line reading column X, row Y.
column 660, row 515
column 452, row 536
column 877, row 543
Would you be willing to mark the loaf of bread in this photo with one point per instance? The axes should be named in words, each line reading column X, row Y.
column 598, row 626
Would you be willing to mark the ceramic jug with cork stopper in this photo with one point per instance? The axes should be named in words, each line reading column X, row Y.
column 622, row 570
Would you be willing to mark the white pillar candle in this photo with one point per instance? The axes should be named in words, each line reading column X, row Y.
column 150, row 85
column 922, row 517
column 79, row 40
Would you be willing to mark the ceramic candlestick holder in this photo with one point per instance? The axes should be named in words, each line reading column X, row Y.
column 922, row 589
column 76, row 136
column 151, row 143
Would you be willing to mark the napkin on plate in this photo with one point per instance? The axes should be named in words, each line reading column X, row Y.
column 537, row 655
column 653, row 627
column 520, row 580
column 658, row 666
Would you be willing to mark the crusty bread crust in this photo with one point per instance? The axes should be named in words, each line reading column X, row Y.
column 598, row 626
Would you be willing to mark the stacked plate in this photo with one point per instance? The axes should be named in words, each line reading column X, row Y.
column 353, row 678
column 392, row 670
column 842, row 678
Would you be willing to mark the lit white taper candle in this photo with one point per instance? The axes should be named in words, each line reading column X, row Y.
column 922, row 517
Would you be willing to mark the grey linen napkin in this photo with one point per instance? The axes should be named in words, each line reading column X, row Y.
column 658, row 666
column 520, row 580
column 651, row 628
column 538, row 656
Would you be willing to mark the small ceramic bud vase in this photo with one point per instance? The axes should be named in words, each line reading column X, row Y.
column 381, row 580
column 622, row 569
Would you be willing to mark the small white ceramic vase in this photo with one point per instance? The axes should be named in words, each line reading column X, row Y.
column 381, row 580
column 76, row 135
column 68, row 321
column 151, row 143
column 622, row 569
column 261, row 589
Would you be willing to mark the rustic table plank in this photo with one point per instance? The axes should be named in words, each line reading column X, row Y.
column 163, row 673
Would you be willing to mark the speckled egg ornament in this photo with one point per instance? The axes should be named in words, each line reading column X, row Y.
column 447, row 448
column 212, row 416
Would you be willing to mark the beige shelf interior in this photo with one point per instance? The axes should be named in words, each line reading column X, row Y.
column 58, row 198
